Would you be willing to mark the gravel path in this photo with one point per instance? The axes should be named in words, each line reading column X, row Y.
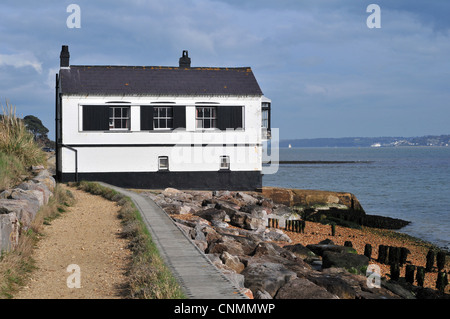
column 86, row 235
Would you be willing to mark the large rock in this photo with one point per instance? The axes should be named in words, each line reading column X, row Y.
column 23, row 209
column 301, row 288
column 47, row 179
column 9, row 232
column 300, row 251
column 232, row 262
column 247, row 221
column 212, row 215
column 276, row 235
column 34, row 197
column 319, row 249
column 269, row 277
column 37, row 186
column 348, row 261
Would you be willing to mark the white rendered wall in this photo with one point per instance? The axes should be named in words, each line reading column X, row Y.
column 247, row 156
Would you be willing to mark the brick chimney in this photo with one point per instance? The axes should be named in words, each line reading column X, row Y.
column 185, row 60
column 64, row 57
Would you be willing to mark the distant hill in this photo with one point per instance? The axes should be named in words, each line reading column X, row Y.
column 442, row 140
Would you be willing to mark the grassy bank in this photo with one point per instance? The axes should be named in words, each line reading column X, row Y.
column 149, row 277
column 17, row 265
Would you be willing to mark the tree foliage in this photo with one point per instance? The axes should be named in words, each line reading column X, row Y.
column 35, row 126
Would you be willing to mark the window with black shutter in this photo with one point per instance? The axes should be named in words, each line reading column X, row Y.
column 95, row 118
column 146, row 118
column 229, row 117
column 162, row 117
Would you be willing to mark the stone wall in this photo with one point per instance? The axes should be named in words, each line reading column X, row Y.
column 19, row 206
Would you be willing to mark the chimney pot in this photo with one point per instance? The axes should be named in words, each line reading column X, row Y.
column 64, row 57
column 185, row 60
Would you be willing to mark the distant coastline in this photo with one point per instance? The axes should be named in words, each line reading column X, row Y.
column 429, row 141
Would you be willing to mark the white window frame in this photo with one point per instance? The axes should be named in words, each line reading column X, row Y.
column 162, row 119
column 114, row 118
column 225, row 167
column 163, row 167
column 212, row 118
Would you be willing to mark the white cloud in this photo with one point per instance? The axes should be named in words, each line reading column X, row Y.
column 21, row 60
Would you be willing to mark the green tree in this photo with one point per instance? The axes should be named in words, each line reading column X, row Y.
column 35, row 126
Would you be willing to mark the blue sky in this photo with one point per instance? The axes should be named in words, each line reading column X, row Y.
column 327, row 73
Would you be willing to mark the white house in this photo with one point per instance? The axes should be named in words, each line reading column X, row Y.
column 155, row 127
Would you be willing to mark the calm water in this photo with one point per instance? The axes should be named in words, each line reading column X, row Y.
column 411, row 183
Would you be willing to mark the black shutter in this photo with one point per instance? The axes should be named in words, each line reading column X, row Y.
column 146, row 118
column 179, row 117
column 229, row 117
column 95, row 118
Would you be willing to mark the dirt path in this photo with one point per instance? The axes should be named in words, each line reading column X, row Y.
column 87, row 235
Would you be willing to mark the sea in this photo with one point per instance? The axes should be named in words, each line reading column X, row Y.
column 410, row 183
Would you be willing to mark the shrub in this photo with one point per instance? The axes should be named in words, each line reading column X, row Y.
column 16, row 140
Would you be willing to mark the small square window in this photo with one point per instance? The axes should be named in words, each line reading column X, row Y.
column 224, row 162
column 163, row 163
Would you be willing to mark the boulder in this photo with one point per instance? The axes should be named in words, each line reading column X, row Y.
column 302, row 288
column 201, row 244
column 232, row 262
column 300, row 251
column 34, row 197
column 229, row 207
column 31, row 185
column 45, row 178
column 276, row 235
column 319, row 249
column 256, row 211
column 24, row 211
column 248, row 199
column 188, row 209
column 238, row 219
column 254, row 223
column 9, row 232
column 267, row 276
column 262, row 294
column 336, row 283
column 348, row 261
column 212, row 214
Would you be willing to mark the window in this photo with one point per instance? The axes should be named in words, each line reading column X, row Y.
column 163, row 163
column 206, row 117
column 119, row 118
column 265, row 115
column 162, row 118
column 224, row 162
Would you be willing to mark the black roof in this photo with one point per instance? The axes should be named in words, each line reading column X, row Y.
column 143, row 80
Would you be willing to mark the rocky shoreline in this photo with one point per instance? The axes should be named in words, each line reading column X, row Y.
column 231, row 228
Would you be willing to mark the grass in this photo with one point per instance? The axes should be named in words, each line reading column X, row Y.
column 18, row 150
column 11, row 169
column 149, row 277
column 17, row 265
